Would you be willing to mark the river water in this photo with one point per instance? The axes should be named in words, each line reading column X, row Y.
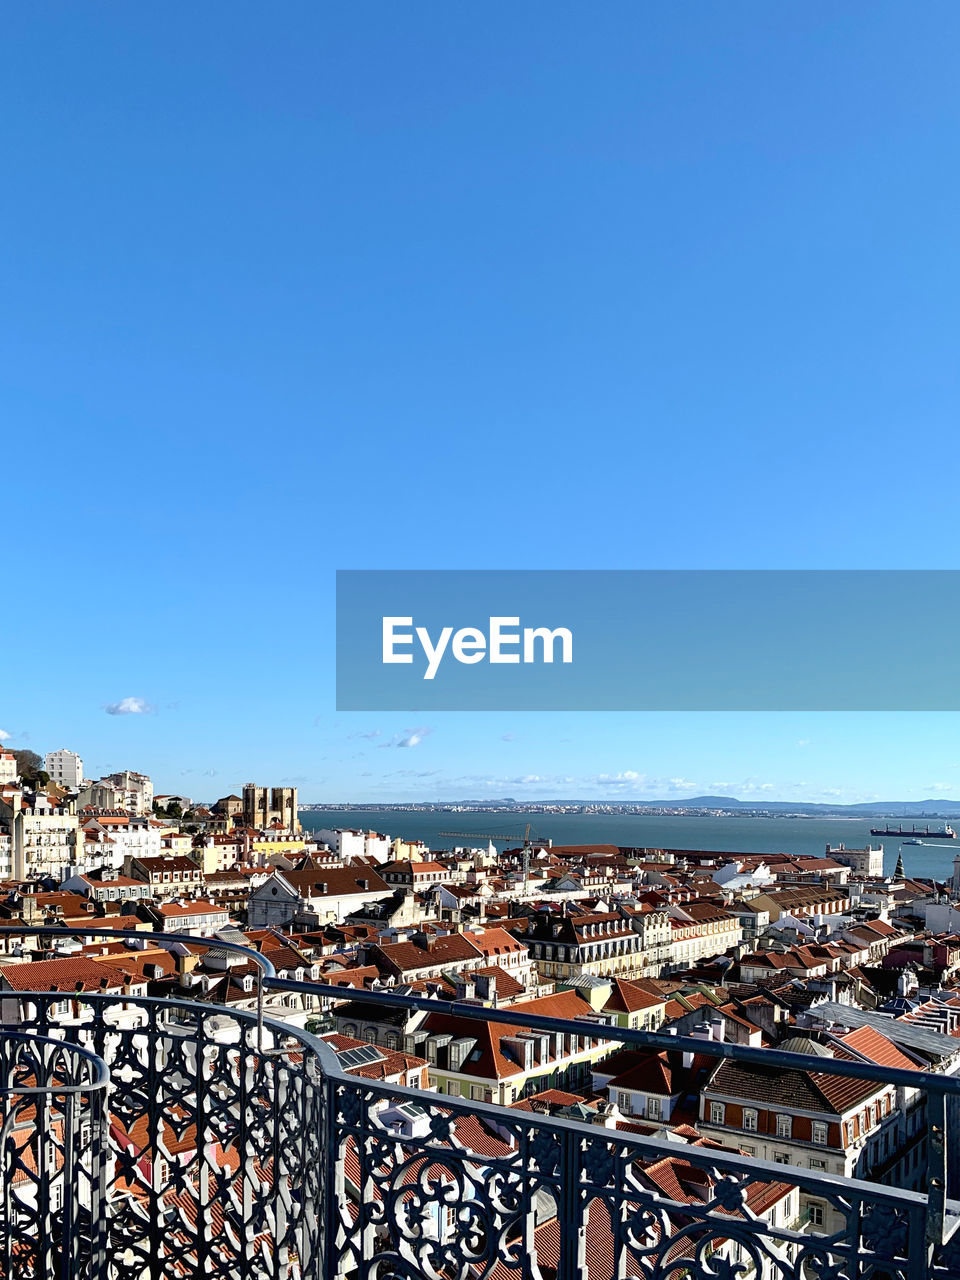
column 731, row 835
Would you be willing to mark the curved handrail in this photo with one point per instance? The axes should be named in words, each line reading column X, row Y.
column 515, row 1015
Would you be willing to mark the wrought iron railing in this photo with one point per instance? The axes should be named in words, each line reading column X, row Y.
column 239, row 1146
column 53, row 1136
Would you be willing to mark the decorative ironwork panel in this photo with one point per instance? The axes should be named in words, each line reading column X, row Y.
column 52, row 1131
column 445, row 1189
column 227, row 1147
column 214, row 1162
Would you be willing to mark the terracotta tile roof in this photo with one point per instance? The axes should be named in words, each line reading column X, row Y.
column 446, row 949
column 201, row 907
column 61, row 975
column 871, row 1044
column 493, row 1061
column 651, row 1074
column 506, row 984
column 339, row 881
column 790, row 1090
column 549, row 1099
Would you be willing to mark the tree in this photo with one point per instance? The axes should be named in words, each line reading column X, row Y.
column 30, row 766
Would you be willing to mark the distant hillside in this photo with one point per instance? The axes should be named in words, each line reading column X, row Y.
column 909, row 810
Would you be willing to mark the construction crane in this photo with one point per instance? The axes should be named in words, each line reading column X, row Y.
column 492, row 836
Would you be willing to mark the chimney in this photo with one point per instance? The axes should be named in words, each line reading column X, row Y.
column 608, row 1113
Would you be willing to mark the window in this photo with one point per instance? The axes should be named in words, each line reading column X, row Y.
column 819, row 1133
column 750, row 1120
column 748, row 1151
column 784, row 1126
column 815, row 1215
column 653, row 1108
column 717, row 1111
column 818, row 1164
column 781, row 1158
column 623, row 1102
column 477, row 1092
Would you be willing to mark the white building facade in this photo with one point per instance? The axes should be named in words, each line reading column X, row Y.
column 65, row 769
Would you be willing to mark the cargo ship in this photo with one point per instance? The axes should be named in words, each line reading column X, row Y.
column 943, row 833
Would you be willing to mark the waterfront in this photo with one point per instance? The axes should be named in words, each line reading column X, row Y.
column 734, row 834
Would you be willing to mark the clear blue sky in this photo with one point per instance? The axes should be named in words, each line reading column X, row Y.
column 291, row 288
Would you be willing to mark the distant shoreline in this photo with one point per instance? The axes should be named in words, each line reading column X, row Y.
column 848, row 813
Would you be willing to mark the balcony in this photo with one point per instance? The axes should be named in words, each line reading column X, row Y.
column 156, row 1139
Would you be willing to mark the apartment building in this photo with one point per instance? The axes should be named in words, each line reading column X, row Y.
column 199, row 917
column 812, row 1119
column 113, row 835
column 435, row 954
column 598, row 944
column 126, row 790
column 418, row 876
column 311, row 898
column 490, row 1061
column 348, row 843
column 168, row 877
column 42, row 831
column 65, row 769
column 700, row 931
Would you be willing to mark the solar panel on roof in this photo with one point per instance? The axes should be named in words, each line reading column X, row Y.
column 361, row 1057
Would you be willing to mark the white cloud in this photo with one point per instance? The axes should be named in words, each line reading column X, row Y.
column 374, row 733
column 941, row 786
column 803, row 742
column 128, row 707
column 4, row 735
column 508, row 737
column 408, row 737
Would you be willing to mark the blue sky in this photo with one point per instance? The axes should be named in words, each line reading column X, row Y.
column 290, row 290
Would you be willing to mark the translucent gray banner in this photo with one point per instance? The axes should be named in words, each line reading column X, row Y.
column 643, row 640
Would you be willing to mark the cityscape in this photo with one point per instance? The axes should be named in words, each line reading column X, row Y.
column 467, row 993
column 479, row 766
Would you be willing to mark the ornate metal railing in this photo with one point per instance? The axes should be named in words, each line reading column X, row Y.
column 239, row 1146
column 53, row 1136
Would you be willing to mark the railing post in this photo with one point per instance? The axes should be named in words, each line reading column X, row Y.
column 329, row 1155
column 70, row 1184
column 572, row 1210
column 936, row 1168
